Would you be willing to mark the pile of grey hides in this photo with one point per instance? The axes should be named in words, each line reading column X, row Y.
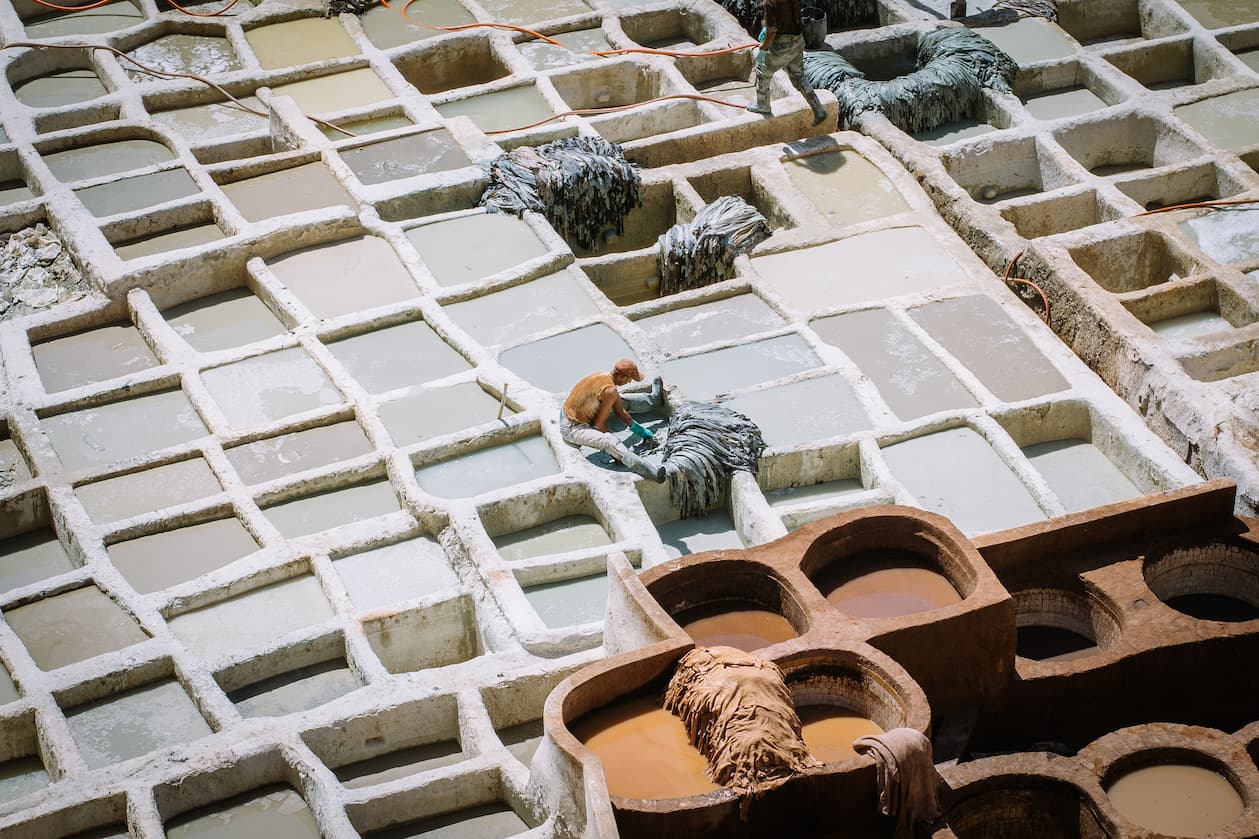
column 583, row 185
column 954, row 65
column 840, row 14
column 705, row 445
column 702, row 252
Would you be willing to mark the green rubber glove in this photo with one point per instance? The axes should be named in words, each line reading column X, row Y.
column 640, row 431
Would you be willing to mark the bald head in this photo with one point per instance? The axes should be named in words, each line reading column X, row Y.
column 626, row 371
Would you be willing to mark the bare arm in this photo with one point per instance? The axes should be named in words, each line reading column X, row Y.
column 609, row 403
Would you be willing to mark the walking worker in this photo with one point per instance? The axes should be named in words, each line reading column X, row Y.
column 782, row 48
column 584, row 418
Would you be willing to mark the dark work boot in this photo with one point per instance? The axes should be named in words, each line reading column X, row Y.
column 657, row 392
column 641, row 466
column 763, row 100
column 819, row 112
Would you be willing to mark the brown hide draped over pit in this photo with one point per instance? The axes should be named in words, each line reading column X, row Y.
column 739, row 714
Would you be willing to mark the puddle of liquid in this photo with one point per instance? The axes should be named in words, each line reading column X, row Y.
column 486, row 821
column 385, row 29
column 955, row 131
column 405, row 157
column 878, row 265
column 522, row 740
column 401, row 763
column 733, row 90
column 455, row 250
column 1227, row 237
column 21, row 776
column 1250, row 58
column 107, row 18
column 1214, row 607
column 200, row 55
column 309, row 187
column 1230, row 121
column 557, row 363
column 734, row 368
column 326, row 510
column 845, row 187
column 316, row 276
column 297, row 690
column 828, row 731
column 731, row 623
column 201, row 123
column 398, row 356
column 134, row 723
column 73, row 626
column 532, row 11
column 11, row 192
column 58, row 89
column 507, row 316
column 252, row 620
column 1060, row 104
column 439, row 410
column 501, row 110
column 1218, row 14
column 273, row 812
column 12, row 463
column 1192, row 325
column 1052, row 643
column 337, row 92
column 645, row 751
column 364, row 127
column 8, row 690
column 885, row 584
column 1080, row 474
column 403, row 571
column 156, row 562
column 106, row 434
column 105, row 159
column 147, row 491
column 296, row 42
column 992, row 346
column 708, row 323
column 570, row 602
column 489, row 469
column 166, row 242
column 1176, row 799
column 30, row 558
column 136, row 193
column 287, row 454
column 269, row 387
column 578, row 45
column 1029, row 40
column 825, row 491
column 833, row 411
column 715, row 531
column 570, row 533
column 911, row 380
column 957, row 474
column 93, row 356
column 224, row 320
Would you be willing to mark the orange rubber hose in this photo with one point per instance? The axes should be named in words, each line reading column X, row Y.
column 166, row 74
column 1193, row 205
column 586, row 112
column 1008, row 279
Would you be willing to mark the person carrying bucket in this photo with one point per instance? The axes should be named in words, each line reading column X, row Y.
column 782, row 48
column 584, row 417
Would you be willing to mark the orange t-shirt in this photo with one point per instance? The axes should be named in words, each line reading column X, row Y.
column 582, row 404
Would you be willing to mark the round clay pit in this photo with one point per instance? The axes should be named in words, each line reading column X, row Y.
column 1057, row 625
column 1213, row 581
column 1023, row 807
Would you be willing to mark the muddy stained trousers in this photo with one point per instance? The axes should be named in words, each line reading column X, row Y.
column 582, row 434
column 785, row 52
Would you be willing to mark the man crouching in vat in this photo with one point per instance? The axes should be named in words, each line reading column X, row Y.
column 584, row 417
